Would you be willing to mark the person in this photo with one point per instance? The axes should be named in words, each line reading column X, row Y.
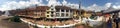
column 116, row 20
column 108, row 21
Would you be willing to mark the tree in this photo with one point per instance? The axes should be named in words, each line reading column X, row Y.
column 15, row 19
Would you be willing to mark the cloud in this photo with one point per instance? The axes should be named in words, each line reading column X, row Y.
column 14, row 5
column 116, row 6
column 64, row 2
column 40, row 1
column 108, row 4
column 47, row 0
column 75, row 6
column 53, row 2
column 97, row 8
column 19, row 5
column 94, row 7
column 72, row 5
column 34, row 1
column 23, row 4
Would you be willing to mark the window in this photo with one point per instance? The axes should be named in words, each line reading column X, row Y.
column 62, row 10
column 41, row 10
column 52, row 9
column 57, row 14
column 47, row 9
column 51, row 15
column 62, row 14
column 67, row 14
column 71, row 10
column 57, row 10
column 47, row 12
column 42, row 14
column 47, row 15
column 35, row 14
column 67, row 10
column 51, row 12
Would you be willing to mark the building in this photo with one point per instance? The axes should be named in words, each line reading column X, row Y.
column 49, row 16
column 61, row 12
column 53, row 12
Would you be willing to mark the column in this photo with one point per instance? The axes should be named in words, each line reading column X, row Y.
column 60, row 12
column 65, row 13
column 69, row 13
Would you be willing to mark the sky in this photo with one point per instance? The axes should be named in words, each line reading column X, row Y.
column 95, row 5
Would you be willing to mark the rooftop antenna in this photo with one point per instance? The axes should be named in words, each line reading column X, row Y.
column 79, row 4
column 80, row 9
